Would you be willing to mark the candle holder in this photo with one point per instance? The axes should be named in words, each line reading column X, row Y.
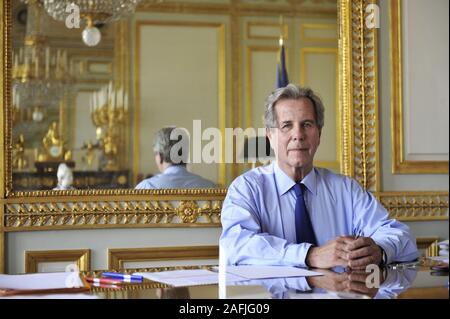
column 109, row 109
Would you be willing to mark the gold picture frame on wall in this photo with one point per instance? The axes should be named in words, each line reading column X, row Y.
column 121, row 208
column 400, row 165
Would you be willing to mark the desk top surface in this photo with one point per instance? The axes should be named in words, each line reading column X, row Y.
column 405, row 283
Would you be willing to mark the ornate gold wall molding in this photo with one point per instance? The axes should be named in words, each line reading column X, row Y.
column 297, row 8
column 5, row 91
column 415, row 206
column 118, row 257
column 80, row 257
column 362, row 76
column 46, row 214
column 399, row 163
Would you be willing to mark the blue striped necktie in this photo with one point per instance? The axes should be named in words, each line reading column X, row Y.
column 303, row 226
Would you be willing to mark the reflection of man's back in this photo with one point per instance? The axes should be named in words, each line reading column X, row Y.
column 175, row 176
column 171, row 149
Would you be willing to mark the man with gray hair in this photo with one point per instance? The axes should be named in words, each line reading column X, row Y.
column 292, row 213
column 171, row 148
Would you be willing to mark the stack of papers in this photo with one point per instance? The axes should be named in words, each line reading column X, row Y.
column 443, row 248
column 42, row 283
column 183, row 278
column 196, row 277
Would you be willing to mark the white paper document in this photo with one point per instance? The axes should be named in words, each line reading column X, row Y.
column 190, row 277
column 41, row 281
column 443, row 259
column 261, row 272
column 196, row 277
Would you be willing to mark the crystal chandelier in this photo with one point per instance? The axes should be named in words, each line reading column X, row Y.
column 92, row 12
column 40, row 73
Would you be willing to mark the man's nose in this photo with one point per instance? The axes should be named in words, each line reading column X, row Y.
column 298, row 133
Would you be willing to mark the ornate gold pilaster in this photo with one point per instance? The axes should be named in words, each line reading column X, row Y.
column 361, row 112
column 5, row 119
column 345, row 86
column 236, row 87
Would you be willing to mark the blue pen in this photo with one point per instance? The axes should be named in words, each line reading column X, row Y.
column 123, row 277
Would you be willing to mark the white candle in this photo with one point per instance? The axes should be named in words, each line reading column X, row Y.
column 47, row 62
column 110, row 88
column 113, row 101
column 16, row 61
column 120, row 98
column 36, row 64
column 65, row 60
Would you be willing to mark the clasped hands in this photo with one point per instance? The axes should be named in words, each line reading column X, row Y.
column 345, row 251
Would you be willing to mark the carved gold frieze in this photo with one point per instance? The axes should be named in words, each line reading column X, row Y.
column 188, row 211
column 416, row 206
column 103, row 214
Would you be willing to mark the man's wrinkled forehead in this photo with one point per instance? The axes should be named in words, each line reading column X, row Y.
column 281, row 115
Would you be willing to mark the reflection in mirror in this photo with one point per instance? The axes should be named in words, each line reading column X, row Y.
column 340, row 284
column 97, row 109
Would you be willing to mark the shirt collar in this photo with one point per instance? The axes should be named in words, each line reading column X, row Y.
column 174, row 169
column 285, row 183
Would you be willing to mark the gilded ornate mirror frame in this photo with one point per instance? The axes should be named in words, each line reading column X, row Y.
column 89, row 209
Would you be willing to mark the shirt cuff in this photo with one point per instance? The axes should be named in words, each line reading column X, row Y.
column 386, row 253
column 296, row 254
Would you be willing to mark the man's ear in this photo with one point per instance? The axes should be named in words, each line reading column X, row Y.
column 160, row 158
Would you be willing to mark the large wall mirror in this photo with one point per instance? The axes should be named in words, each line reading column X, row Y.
column 168, row 63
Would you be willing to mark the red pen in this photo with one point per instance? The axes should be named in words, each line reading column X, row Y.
column 102, row 281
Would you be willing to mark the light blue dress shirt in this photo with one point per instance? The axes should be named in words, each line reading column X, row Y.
column 175, row 176
column 259, row 224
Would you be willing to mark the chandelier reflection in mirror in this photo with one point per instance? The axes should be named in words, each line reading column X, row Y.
column 92, row 12
column 40, row 73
